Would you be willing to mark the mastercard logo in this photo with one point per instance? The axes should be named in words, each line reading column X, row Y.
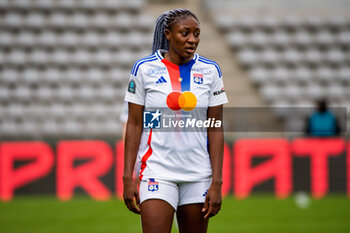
column 186, row 101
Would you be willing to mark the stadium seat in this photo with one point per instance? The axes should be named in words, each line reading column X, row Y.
column 87, row 5
column 38, row 57
column 72, row 76
column 335, row 92
column 30, row 76
column 315, row 92
column 102, row 57
column 58, row 19
column 259, row 75
column 9, row 76
column 302, row 39
column 79, row 21
column 66, row 4
column 247, row 23
column 15, row 111
column 82, row 57
column 258, row 39
column 85, row 94
column 271, row 92
column 9, row 128
column 69, row 39
column 6, row 39
column 73, row 128
column 313, row 22
column 4, row 96
column 60, row 57
column 47, row 39
column 20, row 4
column 93, row 76
column 35, row 21
column 13, row 20
column 313, row 57
column 21, row 94
column 90, row 39
column 292, row 57
column 43, row 95
column 51, row 76
column 25, row 39
column 343, row 38
column 237, row 39
column 46, row 5
column 122, row 21
column 280, row 39
column 303, row 75
column 110, row 4
column 325, row 75
column 270, row 57
column 269, row 23
column 248, row 57
column 111, row 39
column 224, row 23
column 144, row 23
column 48, row 128
column 124, row 58
column 17, row 57
column 107, row 94
column 336, row 23
column 293, row 93
column 281, row 75
column 292, row 22
column 63, row 94
column 344, row 74
column 335, row 57
column 100, row 20
column 324, row 38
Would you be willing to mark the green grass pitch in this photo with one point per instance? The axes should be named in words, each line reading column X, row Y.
column 256, row 214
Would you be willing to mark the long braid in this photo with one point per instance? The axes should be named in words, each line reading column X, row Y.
column 165, row 21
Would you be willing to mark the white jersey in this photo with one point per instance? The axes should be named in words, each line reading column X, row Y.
column 175, row 156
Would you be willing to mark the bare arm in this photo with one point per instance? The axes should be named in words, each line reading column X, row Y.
column 132, row 142
column 213, row 200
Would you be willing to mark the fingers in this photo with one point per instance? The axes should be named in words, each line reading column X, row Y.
column 137, row 197
column 213, row 210
column 206, row 205
column 133, row 203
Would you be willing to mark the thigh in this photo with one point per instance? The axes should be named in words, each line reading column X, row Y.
column 156, row 216
column 189, row 213
column 159, row 200
column 191, row 219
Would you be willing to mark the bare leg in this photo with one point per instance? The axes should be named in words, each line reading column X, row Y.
column 191, row 219
column 156, row 216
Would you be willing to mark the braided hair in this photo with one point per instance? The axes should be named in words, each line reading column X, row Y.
column 166, row 21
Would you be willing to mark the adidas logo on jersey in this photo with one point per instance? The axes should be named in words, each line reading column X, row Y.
column 161, row 80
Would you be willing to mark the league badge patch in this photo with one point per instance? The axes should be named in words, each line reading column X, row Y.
column 198, row 78
column 153, row 185
column 132, row 86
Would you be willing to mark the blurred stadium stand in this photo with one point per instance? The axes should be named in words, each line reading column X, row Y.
column 293, row 52
column 64, row 65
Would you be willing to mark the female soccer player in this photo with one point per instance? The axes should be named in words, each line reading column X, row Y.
column 179, row 171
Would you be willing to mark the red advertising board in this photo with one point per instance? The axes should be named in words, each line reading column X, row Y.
column 239, row 175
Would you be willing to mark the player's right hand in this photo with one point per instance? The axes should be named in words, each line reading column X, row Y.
column 131, row 195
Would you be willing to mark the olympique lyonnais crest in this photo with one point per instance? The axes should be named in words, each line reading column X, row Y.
column 153, row 185
column 198, row 78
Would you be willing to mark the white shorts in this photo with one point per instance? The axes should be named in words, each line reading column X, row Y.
column 175, row 193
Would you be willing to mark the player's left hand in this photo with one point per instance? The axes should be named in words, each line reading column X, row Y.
column 212, row 204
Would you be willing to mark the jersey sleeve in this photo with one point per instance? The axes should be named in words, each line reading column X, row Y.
column 135, row 92
column 217, row 91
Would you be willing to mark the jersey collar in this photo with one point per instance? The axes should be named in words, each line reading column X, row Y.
column 160, row 56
